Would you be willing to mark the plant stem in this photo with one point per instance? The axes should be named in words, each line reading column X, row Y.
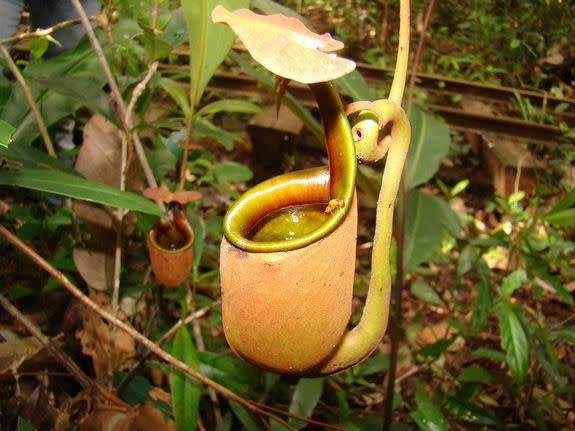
column 28, row 94
column 252, row 406
column 87, row 384
column 400, row 74
column 121, row 106
column 195, row 76
column 43, row 32
column 396, row 334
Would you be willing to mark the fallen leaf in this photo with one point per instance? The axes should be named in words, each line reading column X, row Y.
column 14, row 352
column 141, row 418
column 95, row 338
column 439, row 331
column 285, row 46
column 99, row 160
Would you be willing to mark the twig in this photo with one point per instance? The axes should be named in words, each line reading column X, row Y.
column 122, row 186
column 87, row 384
column 43, row 32
column 417, row 57
column 126, row 126
column 139, row 90
column 141, row 339
column 28, row 94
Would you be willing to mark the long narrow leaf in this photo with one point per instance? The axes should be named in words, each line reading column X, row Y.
column 77, row 187
column 209, row 42
column 6, row 132
column 186, row 392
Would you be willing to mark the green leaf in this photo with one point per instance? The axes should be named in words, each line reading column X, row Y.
column 248, row 420
column 567, row 202
column 515, row 43
column 6, row 133
column 24, row 425
column 227, row 370
column 513, row 342
column 232, row 172
column 209, row 43
column 177, row 93
column 206, row 129
column 512, row 282
column 355, row 85
column 306, row 395
column 430, row 143
column 25, row 156
column 77, row 81
column 77, row 187
column 436, row 349
column 427, row 416
column 186, row 391
column 38, row 46
column 229, row 105
column 540, row 267
column 426, row 226
column 481, row 305
column 420, row 289
column 471, row 413
column 199, row 227
column 137, row 391
column 494, row 355
column 563, row 218
column 475, row 374
column 375, row 364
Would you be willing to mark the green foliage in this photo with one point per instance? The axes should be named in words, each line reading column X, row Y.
column 186, row 391
column 6, row 133
column 74, row 186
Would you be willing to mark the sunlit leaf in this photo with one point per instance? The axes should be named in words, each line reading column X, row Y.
column 285, row 46
column 430, row 142
column 513, row 281
column 209, row 43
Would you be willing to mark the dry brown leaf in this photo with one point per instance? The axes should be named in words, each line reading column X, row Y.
column 285, row 46
column 95, row 267
column 142, row 418
column 99, row 160
column 437, row 332
column 14, row 352
column 95, row 338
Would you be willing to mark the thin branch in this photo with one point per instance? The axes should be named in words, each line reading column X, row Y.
column 122, row 186
column 43, row 32
column 417, row 57
column 139, row 90
column 168, row 335
column 121, row 106
column 28, row 94
column 87, row 384
column 141, row 339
